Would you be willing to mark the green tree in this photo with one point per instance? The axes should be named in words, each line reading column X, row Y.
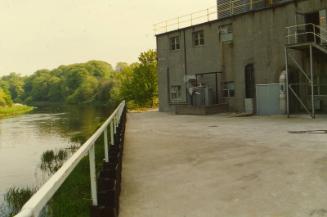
column 5, row 99
column 14, row 83
column 138, row 82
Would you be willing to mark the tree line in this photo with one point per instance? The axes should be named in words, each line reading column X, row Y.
column 93, row 82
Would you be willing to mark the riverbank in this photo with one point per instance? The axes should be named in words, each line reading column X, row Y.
column 15, row 109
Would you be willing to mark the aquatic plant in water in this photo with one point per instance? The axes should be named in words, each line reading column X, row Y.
column 52, row 161
column 14, row 200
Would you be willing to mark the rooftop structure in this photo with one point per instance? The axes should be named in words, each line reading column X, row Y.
column 259, row 57
column 223, row 9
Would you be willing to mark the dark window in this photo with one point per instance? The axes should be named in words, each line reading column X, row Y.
column 176, row 92
column 229, row 89
column 198, row 38
column 174, row 43
column 249, row 81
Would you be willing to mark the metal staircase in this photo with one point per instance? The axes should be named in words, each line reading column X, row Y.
column 310, row 40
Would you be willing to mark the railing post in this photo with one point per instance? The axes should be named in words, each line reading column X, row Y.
column 166, row 26
column 106, row 149
column 314, row 33
column 251, row 4
column 112, row 134
column 178, row 22
column 115, row 124
column 93, row 177
column 208, row 14
column 231, row 7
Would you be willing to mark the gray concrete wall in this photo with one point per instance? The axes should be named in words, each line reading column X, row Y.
column 258, row 38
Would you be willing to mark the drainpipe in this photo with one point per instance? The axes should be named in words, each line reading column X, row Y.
column 185, row 66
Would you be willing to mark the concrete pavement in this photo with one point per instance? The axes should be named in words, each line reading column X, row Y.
column 222, row 166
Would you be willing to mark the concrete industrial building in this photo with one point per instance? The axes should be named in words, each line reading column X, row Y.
column 256, row 56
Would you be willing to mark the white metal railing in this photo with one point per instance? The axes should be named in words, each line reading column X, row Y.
column 307, row 32
column 40, row 199
column 224, row 9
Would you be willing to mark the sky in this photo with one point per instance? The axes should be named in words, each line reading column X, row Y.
column 38, row 34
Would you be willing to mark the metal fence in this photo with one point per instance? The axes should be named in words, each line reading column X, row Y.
column 225, row 8
column 40, row 199
column 307, row 32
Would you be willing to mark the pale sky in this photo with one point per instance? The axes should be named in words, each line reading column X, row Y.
column 37, row 34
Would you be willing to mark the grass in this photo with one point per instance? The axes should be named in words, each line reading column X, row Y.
column 15, row 109
column 73, row 199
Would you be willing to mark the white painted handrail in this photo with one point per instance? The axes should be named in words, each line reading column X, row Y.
column 40, row 199
column 315, row 31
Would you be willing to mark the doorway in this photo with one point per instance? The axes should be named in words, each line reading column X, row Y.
column 312, row 18
column 249, row 89
column 249, row 81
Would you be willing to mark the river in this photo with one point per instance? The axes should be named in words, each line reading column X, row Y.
column 24, row 138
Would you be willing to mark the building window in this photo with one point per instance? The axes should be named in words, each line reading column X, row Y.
column 174, row 43
column 176, row 92
column 226, row 33
column 198, row 38
column 229, row 89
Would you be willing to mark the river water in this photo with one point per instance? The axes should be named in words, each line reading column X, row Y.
column 24, row 138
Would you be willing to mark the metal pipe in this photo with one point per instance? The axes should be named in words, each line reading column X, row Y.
column 312, row 88
column 287, row 85
column 94, row 193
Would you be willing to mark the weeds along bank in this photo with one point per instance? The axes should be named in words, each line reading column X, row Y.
column 16, row 109
column 72, row 199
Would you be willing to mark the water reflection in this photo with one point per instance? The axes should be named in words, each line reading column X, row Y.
column 23, row 140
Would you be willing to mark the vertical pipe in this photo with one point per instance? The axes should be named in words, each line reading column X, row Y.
column 112, row 134
column 286, row 88
column 106, row 148
column 185, row 66
column 217, row 99
column 93, row 177
column 311, row 83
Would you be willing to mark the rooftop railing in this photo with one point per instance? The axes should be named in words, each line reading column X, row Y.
column 41, row 198
column 226, row 8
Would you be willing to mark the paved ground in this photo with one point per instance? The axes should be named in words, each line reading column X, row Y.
column 221, row 166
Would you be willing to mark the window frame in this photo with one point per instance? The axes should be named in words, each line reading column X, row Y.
column 226, row 33
column 198, row 38
column 229, row 89
column 174, row 43
column 177, row 91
